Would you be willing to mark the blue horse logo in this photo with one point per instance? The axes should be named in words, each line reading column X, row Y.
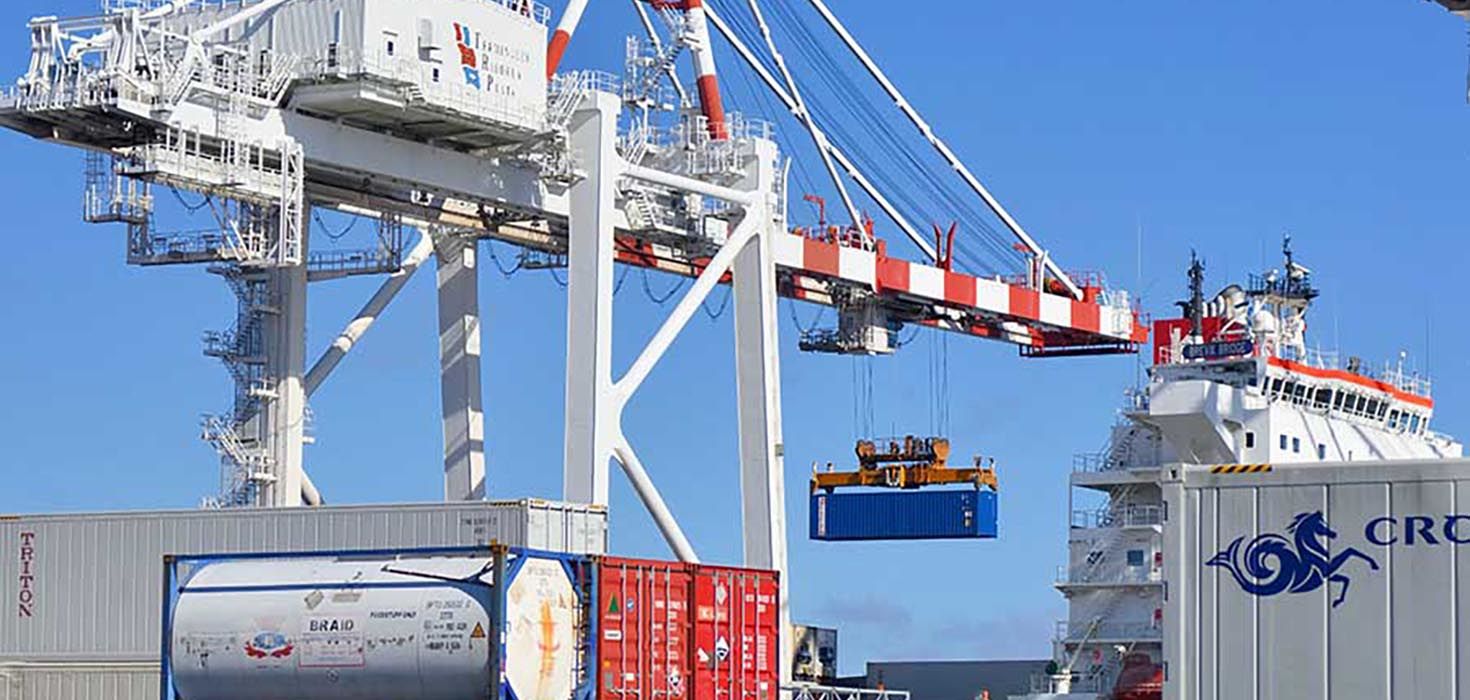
column 1299, row 566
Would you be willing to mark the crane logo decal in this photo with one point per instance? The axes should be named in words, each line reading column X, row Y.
column 469, row 56
column 1271, row 564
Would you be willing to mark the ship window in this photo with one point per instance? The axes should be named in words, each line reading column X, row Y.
column 1372, row 409
column 337, row 27
column 436, row 75
column 1296, row 445
column 1393, row 420
column 1301, row 392
column 1382, row 409
column 1337, row 401
column 1324, row 397
column 1321, row 451
column 1135, row 557
column 1283, row 442
column 390, row 47
column 1276, row 385
column 1250, row 439
column 1414, row 423
column 1362, row 404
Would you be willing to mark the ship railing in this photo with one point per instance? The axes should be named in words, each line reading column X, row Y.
column 1055, row 683
column 1080, row 631
column 1105, row 461
column 1133, row 575
column 805, row 691
column 1128, row 516
column 1406, row 381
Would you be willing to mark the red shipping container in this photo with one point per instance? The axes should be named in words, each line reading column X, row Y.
column 668, row 631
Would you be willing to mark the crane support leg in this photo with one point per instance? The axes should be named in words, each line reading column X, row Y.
column 758, row 389
column 459, row 368
column 591, row 412
column 285, row 413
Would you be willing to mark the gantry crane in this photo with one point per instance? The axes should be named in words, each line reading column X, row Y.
column 457, row 123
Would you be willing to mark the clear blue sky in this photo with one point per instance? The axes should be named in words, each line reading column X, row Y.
column 1214, row 126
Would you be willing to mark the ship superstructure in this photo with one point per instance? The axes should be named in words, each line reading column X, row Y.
column 1234, row 383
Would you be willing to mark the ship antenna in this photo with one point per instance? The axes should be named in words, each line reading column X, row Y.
column 1195, row 307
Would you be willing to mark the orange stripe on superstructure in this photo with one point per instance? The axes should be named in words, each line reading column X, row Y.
column 819, row 257
column 959, row 289
column 1086, row 316
column 1025, row 303
column 893, row 274
column 1358, row 379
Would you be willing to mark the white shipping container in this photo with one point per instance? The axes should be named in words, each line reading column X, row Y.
column 88, row 588
column 79, row 681
column 1345, row 580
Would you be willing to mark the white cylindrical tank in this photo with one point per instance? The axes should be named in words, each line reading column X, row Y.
column 370, row 629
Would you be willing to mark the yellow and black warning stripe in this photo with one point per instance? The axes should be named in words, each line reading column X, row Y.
column 1240, row 468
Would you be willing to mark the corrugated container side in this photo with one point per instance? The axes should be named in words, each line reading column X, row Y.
column 897, row 515
column 677, row 630
column 93, row 582
column 737, row 620
column 1318, row 581
column 78, row 681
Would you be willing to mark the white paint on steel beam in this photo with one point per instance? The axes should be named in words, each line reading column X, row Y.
column 789, row 249
column 284, row 415
column 992, row 296
column 591, row 420
column 625, row 387
column 369, row 313
column 926, row 281
column 857, row 265
column 1056, row 310
column 653, row 501
column 758, row 388
column 460, row 367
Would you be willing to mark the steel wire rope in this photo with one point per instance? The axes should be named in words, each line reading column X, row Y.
column 907, row 202
column 923, row 179
column 818, row 61
column 759, row 93
column 919, row 180
column 838, row 82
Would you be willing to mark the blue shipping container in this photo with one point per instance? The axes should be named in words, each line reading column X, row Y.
column 903, row 515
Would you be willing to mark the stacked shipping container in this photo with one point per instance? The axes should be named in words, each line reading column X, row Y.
column 680, row 630
column 83, row 592
column 380, row 624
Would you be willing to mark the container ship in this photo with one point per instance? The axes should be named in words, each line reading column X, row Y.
column 1236, row 388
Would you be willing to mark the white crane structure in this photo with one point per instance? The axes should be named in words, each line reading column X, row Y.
column 446, row 122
